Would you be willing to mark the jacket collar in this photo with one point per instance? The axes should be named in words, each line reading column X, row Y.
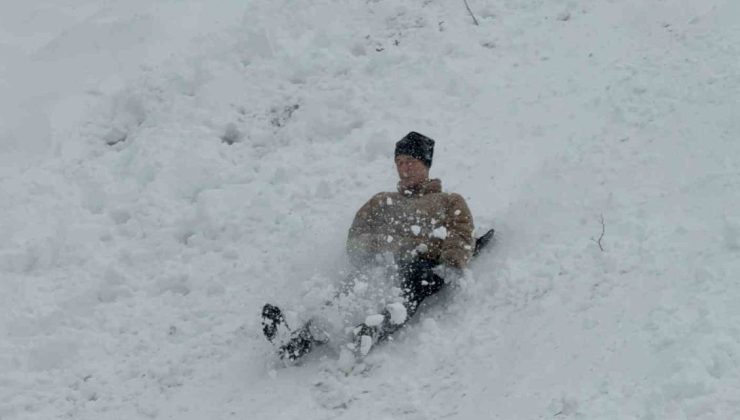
column 431, row 186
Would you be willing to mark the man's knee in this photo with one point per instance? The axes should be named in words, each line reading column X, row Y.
column 419, row 282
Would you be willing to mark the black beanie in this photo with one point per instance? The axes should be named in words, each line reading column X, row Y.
column 417, row 146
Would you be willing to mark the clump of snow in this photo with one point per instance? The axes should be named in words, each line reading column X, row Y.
column 422, row 248
column 398, row 313
column 440, row 232
column 374, row 320
column 366, row 343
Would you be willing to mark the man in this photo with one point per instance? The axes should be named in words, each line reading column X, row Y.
column 426, row 235
column 425, row 231
column 418, row 221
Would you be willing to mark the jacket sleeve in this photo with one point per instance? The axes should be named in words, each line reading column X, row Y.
column 458, row 246
column 365, row 239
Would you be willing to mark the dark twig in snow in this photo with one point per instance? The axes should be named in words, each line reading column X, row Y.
column 603, row 231
column 471, row 12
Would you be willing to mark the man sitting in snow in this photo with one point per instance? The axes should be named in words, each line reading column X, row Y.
column 426, row 234
column 420, row 226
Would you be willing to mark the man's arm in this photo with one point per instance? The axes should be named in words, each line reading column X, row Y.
column 458, row 246
column 364, row 239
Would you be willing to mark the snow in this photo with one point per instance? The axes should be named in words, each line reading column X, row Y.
column 374, row 320
column 168, row 167
column 440, row 232
column 422, row 248
column 416, row 229
column 366, row 344
column 398, row 313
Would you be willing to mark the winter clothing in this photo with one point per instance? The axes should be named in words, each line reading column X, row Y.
column 417, row 146
column 418, row 282
column 422, row 228
column 421, row 222
column 301, row 341
column 272, row 317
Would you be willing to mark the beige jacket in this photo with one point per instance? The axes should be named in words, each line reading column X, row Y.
column 406, row 223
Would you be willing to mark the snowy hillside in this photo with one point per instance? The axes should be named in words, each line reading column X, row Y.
column 168, row 167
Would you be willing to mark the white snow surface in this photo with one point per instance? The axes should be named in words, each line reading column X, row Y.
column 168, row 167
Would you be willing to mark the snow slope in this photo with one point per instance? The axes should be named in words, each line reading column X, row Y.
column 187, row 163
column 56, row 53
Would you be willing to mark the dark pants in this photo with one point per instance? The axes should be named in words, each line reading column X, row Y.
column 418, row 282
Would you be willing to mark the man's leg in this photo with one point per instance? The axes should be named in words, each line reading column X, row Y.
column 418, row 282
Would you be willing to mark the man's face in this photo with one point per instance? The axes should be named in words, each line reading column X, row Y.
column 411, row 171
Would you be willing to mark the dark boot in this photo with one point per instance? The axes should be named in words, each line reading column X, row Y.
column 272, row 318
column 300, row 343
